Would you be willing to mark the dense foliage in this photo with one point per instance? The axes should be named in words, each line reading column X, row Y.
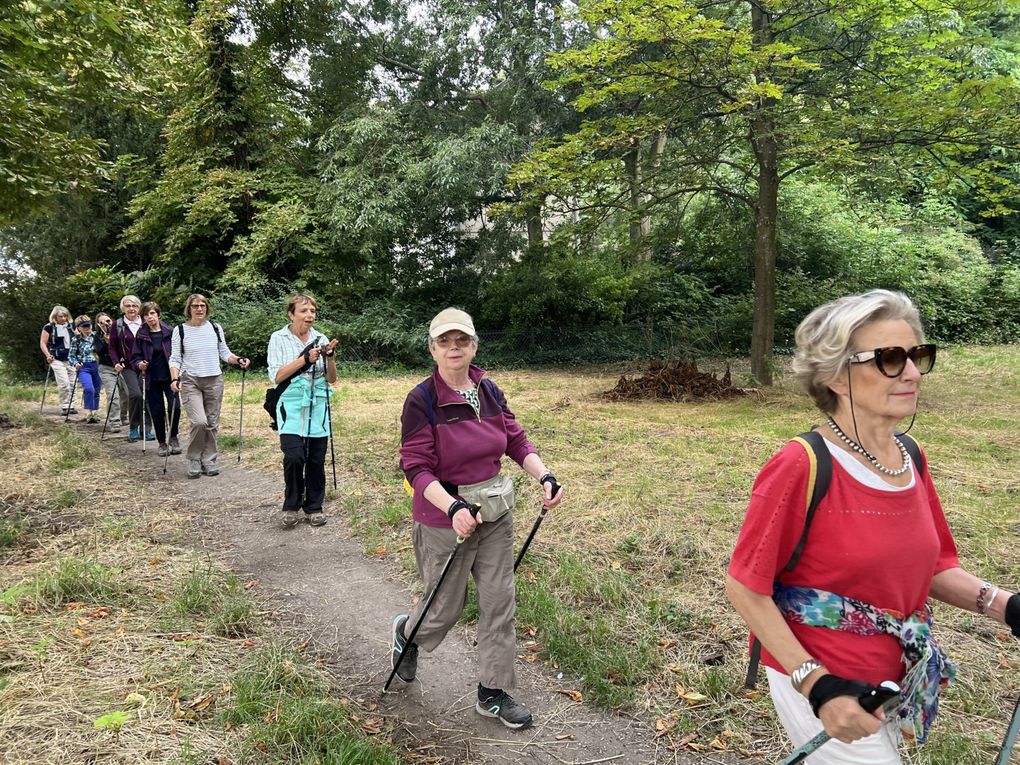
column 594, row 181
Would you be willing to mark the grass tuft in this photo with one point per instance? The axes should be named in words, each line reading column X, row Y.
column 76, row 579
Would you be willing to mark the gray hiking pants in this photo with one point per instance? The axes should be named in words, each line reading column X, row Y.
column 487, row 555
column 202, row 398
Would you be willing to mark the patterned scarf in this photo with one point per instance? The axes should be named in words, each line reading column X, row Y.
column 928, row 668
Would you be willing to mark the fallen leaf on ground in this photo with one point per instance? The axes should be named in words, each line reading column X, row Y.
column 99, row 613
column 663, row 726
column 573, row 695
column 565, row 737
column 251, row 583
column 718, row 743
column 372, row 725
column 74, row 604
column 693, row 697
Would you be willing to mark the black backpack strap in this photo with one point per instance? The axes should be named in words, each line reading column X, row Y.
column 180, row 334
column 914, row 450
column 819, row 478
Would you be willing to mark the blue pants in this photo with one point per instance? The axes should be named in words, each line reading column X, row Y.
column 88, row 376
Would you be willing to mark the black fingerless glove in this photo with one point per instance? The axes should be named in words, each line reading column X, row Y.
column 828, row 687
column 1012, row 614
column 458, row 504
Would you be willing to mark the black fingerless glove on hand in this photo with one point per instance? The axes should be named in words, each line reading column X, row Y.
column 828, row 687
column 1012, row 614
column 458, row 504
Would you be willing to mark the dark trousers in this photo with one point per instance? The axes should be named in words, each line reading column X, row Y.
column 304, row 478
column 129, row 377
column 159, row 394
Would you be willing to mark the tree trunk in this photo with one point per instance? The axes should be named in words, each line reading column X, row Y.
column 536, row 234
column 766, row 208
column 640, row 223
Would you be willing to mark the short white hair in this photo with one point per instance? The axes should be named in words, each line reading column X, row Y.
column 823, row 338
column 129, row 299
column 58, row 310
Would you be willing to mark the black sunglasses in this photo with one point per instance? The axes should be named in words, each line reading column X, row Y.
column 892, row 361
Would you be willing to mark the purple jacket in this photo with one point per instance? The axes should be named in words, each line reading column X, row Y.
column 143, row 347
column 122, row 343
column 461, row 448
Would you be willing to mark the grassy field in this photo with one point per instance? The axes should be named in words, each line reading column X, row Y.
column 624, row 584
column 120, row 643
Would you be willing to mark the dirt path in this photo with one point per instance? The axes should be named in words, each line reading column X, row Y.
column 319, row 580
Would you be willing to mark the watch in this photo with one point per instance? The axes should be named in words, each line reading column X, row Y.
column 799, row 675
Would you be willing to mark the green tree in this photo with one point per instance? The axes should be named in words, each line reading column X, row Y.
column 747, row 94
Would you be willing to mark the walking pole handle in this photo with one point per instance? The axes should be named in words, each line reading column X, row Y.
column 885, row 695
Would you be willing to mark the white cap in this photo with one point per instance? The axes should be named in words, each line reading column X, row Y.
column 449, row 319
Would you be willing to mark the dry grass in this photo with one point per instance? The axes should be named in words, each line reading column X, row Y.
column 119, row 643
column 625, row 582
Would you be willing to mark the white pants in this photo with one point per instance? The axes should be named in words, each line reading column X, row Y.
column 63, row 375
column 801, row 725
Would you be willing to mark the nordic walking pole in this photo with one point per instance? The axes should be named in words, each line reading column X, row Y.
column 109, row 404
column 70, row 403
column 886, row 695
column 168, row 415
column 311, row 403
column 1011, row 735
column 538, row 522
column 329, row 416
column 45, row 383
column 145, row 406
column 432, row 596
column 240, row 422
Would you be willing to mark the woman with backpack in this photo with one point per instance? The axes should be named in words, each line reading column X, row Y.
column 196, row 349
column 835, row 587
column 122, row 348
column 107, row 372
column 83, row 359
column 301, row 361
column 455, row 429
column 55, row 344
column 151, row 359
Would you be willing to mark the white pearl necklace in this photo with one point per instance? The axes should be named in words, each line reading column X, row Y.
column 869, row 456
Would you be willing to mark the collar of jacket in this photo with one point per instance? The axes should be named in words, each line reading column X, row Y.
column 447, row 395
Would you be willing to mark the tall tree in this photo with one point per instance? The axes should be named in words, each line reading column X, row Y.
column 750, row 92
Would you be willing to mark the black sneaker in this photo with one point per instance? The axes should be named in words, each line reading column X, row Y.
column 409, row 666
column 500, row 704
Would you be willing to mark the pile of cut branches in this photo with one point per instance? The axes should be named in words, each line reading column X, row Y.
column 678, row 380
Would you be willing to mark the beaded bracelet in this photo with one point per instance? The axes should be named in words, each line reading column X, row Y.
column 985, row 587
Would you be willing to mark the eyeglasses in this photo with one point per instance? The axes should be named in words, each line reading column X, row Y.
column 892, row 361
column 461, row 341
column 198, row 305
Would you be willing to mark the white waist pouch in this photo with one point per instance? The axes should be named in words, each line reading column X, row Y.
column 495, row 495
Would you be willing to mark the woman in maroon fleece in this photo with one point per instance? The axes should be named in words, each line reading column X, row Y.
column 455, row 429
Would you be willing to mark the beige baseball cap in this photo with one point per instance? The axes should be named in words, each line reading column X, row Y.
column 449, row 319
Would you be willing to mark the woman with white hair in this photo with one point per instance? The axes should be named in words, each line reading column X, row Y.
column 122, row 348
column 55, row 344
column 841, row 605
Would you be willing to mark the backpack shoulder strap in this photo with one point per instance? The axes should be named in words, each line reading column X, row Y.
column 428, row 403
column 819, row 478
column 218, row 331
column 914, row 450
column 180, row 334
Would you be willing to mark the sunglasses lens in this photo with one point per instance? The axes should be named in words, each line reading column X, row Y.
column 923, row 357
column 891, row 361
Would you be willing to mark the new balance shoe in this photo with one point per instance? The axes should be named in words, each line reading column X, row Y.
column 492, row 702
column 408, row 669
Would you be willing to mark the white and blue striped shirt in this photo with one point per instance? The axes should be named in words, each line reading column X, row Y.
column 202, row 352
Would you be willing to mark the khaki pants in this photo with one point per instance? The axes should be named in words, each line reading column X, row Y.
column 113, row 394
column 487, row 555
column 63, row 375
column 202, row 398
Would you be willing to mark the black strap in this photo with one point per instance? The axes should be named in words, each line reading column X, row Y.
column 219, row 338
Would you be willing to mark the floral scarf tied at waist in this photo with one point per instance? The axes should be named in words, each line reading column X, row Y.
column 928, row 668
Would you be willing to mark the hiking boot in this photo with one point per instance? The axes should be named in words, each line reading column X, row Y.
column 290, row 518
column 493, row 702
column 163, row 450
column 134, row 435
column 150, row 436
column 175, row 445
column 317, row 519
column 409, row 666
column 194, row 468
column 114, row 428
column 211, row 469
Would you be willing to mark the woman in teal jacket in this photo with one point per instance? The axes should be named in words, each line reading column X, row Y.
column 302, row 411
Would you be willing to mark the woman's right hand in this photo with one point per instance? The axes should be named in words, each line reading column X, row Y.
column 119, row 367
column 846, row 720
column 142, row 366
column 465, row 522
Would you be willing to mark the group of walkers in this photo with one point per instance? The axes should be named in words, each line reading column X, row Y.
column 139, row 361
column 843, row 543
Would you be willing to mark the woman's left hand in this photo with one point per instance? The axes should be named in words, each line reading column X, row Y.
column 243, row 362
column 330, row 349
column 550, row 485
